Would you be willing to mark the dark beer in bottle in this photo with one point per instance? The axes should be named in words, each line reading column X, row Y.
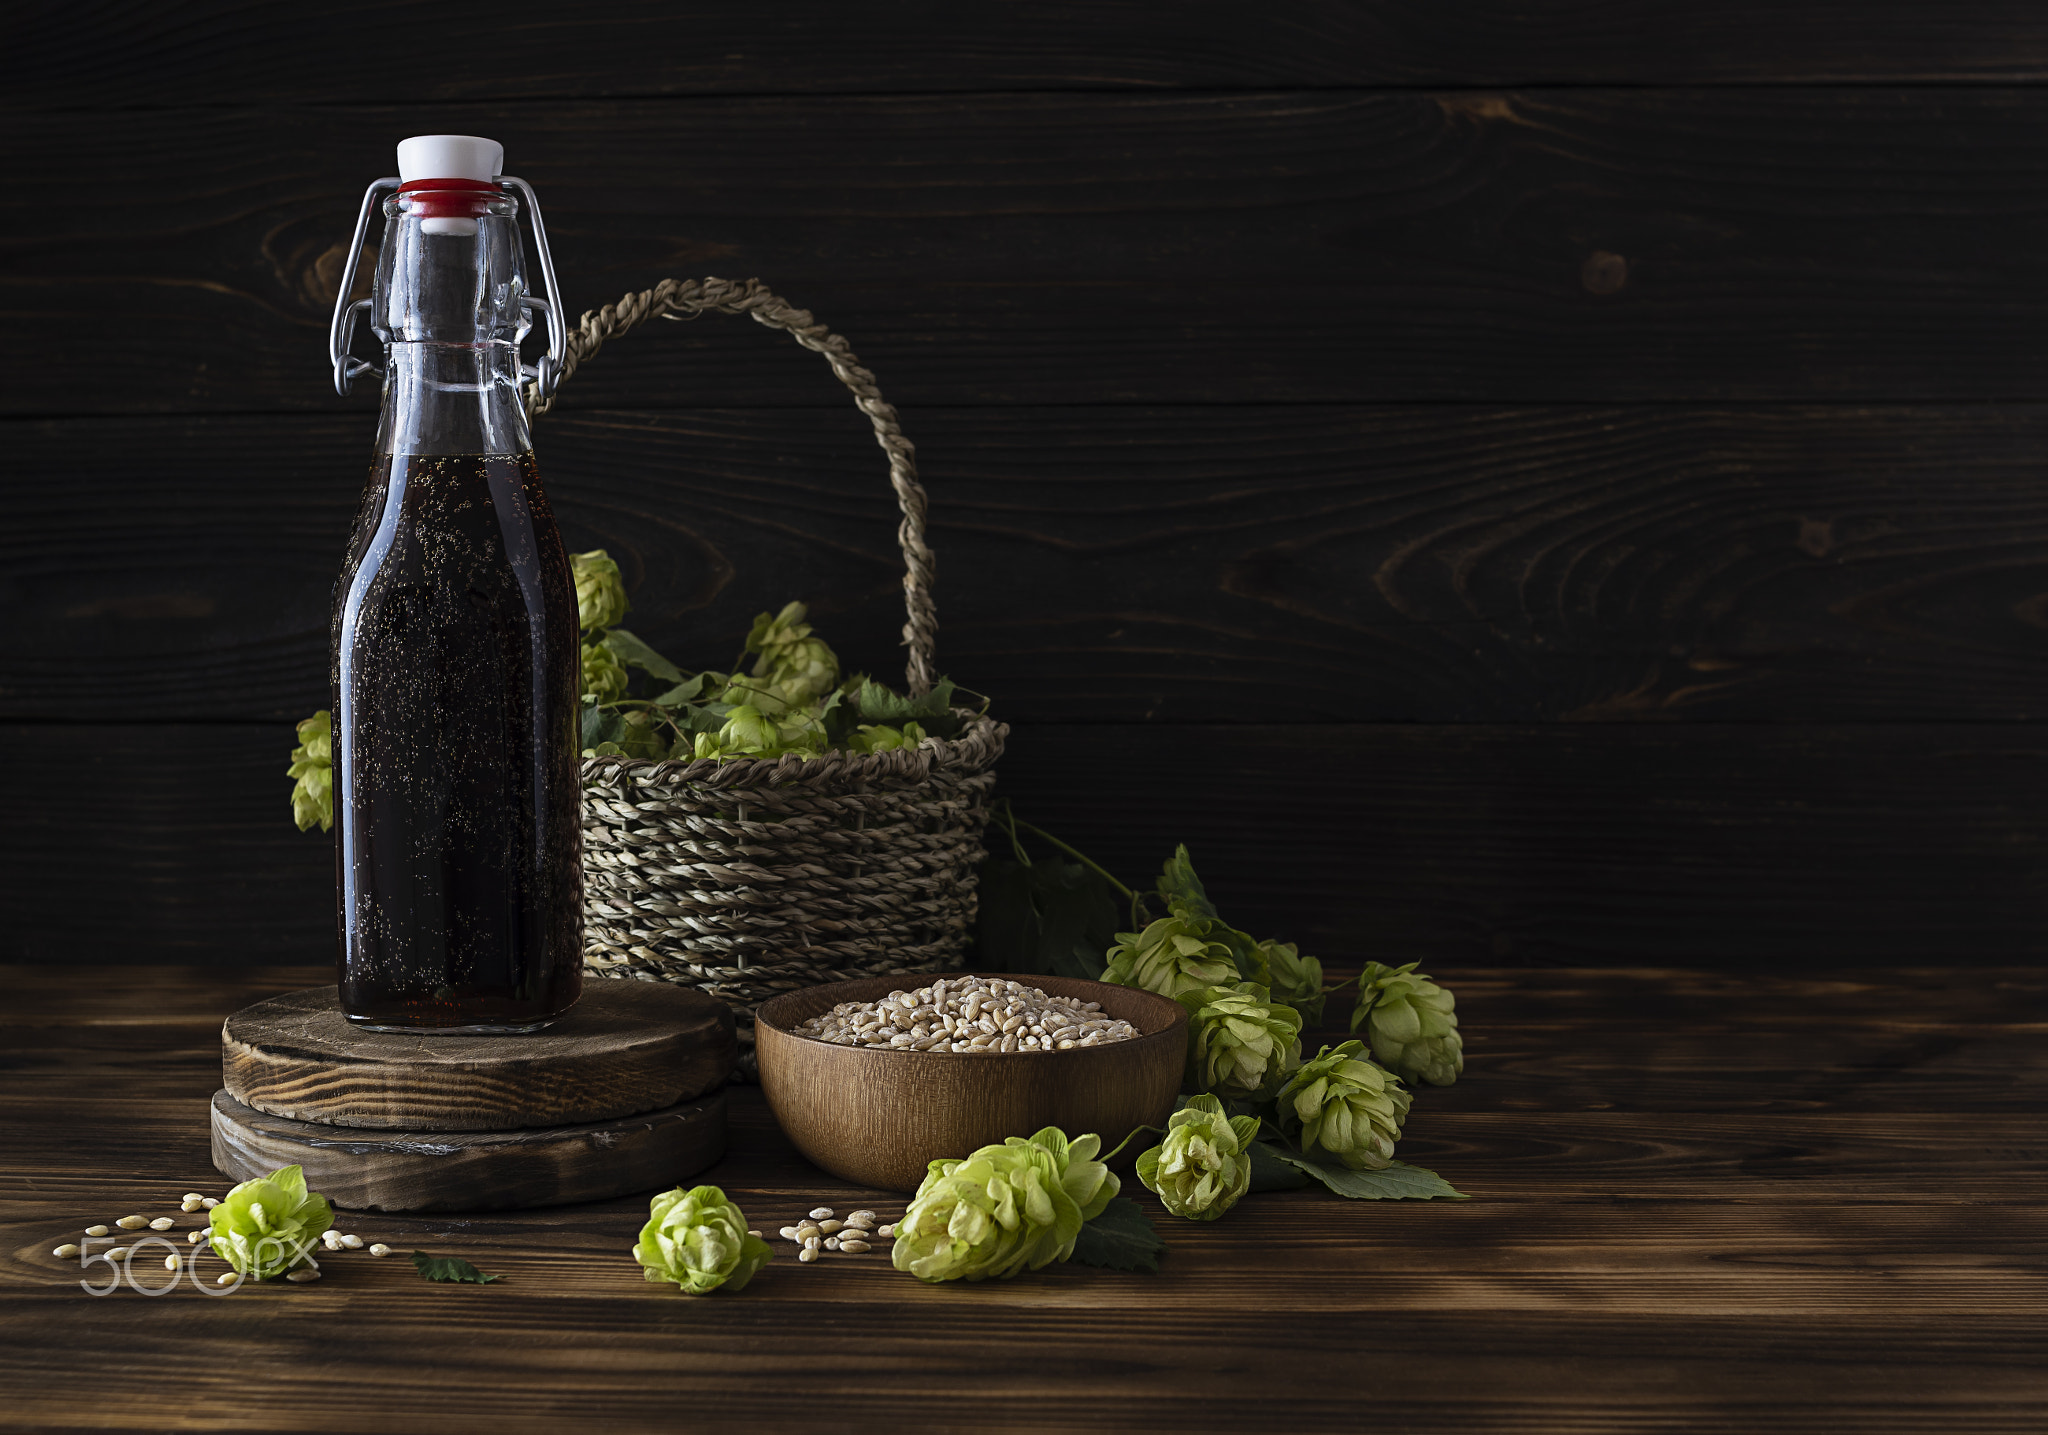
column 455, row 668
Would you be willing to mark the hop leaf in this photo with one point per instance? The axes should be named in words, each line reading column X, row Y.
column 1047, row 916
column 1412, row 1024
column 634, row 653
column 879, row 703
column 449, row 1269
column 698, row 1239
column 1240, row 1044
column 1174, row 957
column 1204, row 1165
column 313, row 766
column 1003, row 1209
column 1294, row 979
column 1121, row 1238
column 641, row 734
column 1397, row 1181
column 604, row 676
column 1346, row 1105
column 600, row 592
column 270, row 1225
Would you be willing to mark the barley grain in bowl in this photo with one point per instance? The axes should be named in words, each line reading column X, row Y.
column 879, row 1114
column 977, row 1015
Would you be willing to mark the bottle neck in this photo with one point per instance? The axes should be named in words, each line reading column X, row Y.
column 447, row 398
column 449, row 304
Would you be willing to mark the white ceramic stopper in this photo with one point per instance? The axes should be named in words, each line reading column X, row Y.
column 449, row 157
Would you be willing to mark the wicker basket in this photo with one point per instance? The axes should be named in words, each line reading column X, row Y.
column 753, row 877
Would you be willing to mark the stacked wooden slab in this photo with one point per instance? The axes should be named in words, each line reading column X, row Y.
column 624, row 1094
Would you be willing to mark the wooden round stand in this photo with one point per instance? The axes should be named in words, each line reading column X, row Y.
column 623, row 1094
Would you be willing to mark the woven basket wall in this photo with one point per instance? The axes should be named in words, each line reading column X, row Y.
column 753, row 877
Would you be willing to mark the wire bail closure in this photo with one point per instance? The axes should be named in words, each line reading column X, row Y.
column 545, row 375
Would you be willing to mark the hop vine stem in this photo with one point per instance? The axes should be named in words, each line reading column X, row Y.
column 1155, row 1130
column 1016, row 824
column 1079, row 856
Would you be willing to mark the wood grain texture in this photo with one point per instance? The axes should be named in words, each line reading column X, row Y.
column 1712, row 843
column 497, row 1170
column 880, row 1118
column 1886, row 1281
column 1434, row 563
column 1554, row 245
column 624, row 1048
column 189, row 1003
column 1835, row 1161
column 1611, row 1039
column 131, row 54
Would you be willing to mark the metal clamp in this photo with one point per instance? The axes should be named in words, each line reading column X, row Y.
column 341, row 333
column 546, row 374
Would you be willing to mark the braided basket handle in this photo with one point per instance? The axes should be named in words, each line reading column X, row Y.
column 686, row 299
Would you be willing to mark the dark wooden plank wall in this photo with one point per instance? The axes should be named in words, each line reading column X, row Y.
column 1503, row 483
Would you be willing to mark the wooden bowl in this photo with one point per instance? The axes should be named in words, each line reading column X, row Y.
column 879, row 1117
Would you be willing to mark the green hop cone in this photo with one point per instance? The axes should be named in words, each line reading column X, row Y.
column 769, row 636
column 313, row 766
column 797, row 665
column 749, row 732
column 803, row 731
column 698, row 1239
column 1004, row 1209
column 1346, row 1105
column 600, row 592
column 1204, row 1165
column 604, row 676
column 1174, row 956
column 872, row 737
column 1295, row 979
column 757, row 693
column 806, row 673
column 705, row 745
column 1413, row 1024
column 1240, row 1044
column 270, row 1225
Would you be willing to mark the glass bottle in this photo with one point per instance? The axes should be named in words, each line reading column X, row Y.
column 455, row 665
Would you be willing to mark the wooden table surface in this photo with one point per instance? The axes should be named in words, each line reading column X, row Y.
column 1699, row 1202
